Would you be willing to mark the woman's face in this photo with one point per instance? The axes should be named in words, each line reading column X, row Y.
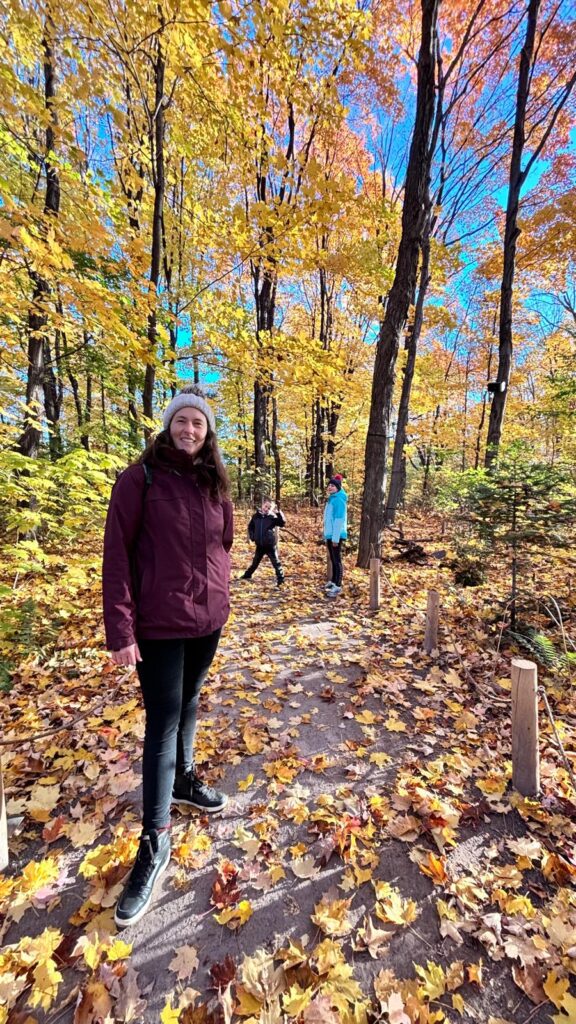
column 188, row 429
column 332, row 489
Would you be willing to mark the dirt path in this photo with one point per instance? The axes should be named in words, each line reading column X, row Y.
column 367, row 789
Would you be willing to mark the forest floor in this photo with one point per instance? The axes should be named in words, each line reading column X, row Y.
column 373, row 862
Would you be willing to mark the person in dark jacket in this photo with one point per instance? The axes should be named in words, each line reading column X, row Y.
column 261, row 530
column 165, row 585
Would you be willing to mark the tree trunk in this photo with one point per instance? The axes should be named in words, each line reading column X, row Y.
column 511, row 234
column 38, row 338
column 85, row 437
column 482, row 414
column 265, row 298
column 157, row 147
column 465, row 417
column 103, row 413
column 401, row 294
column 276, row 452
column 333, row 416
column 53, row 395
column 398, row 471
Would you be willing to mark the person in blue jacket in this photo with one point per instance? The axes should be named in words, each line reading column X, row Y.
column 335, row 531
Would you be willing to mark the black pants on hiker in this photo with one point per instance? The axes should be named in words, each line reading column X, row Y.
column 272, row 554
column 171, row 674
column 335, row 552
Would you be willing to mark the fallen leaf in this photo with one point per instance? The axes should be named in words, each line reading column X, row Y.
column 184, row 962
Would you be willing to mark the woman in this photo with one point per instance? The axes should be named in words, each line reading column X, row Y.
column 335, row 531
column 166, row 598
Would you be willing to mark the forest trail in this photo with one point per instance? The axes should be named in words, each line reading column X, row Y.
column 371, row 857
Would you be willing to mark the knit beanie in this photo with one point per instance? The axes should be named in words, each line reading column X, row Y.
column 193, row 397
column 336, row 481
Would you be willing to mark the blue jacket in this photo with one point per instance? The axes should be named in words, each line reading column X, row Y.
column 335, row 517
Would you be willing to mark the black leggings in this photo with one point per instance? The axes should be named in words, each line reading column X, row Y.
column 259, row 554
column 171, row 674
column 335, row 552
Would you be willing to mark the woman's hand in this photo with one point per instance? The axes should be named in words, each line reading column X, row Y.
column 126, row 655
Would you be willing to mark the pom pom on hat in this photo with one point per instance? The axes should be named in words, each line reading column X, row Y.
column 192, row 397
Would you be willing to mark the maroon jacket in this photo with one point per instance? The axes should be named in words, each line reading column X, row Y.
column 166, row 564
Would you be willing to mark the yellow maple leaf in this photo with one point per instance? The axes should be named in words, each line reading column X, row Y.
column 90, row 947
column 296, row 999
column 394, row 724
column 465, row 722
column 332, row 917
column 327, row 955
column 433, row 980
column 43, row 799
column 245, row 784
column 492, row 784
column 380, row 759
column 119, row 950
column 37, row 874
column 367, row 717
column 568, row 1007
column 556, row 988
column 236, row 916
column 391, row 907
column 458, row 1003
column 47, row 979
column 170, row 1014
column 255, row 739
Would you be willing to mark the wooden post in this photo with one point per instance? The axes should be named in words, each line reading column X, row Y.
column 374, row 584
column 525, row 753
column 432, row 610
column 3, row 827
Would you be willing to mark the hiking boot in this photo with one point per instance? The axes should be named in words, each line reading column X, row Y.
column 190, row 790
column 151, row 861
column 334, row 591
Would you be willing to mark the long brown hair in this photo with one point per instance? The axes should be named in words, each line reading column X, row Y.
column 209, row 470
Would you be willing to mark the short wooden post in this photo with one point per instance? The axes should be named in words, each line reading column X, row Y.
column 525, row 752
column 3, row 827
column 432, row 610
column 374, row 584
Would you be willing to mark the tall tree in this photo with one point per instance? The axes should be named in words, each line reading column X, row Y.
column 40, row 378
column 545, row 119
column 401, row 294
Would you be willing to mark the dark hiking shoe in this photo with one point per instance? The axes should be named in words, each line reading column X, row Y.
column 190, row 790
column 151, row 861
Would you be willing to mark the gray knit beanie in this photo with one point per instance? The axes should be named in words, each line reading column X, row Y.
column 193, row 397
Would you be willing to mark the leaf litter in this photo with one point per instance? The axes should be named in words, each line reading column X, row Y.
column 373, row 863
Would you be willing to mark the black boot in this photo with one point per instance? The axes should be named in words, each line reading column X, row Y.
column 151, row 860
column 189, row 789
